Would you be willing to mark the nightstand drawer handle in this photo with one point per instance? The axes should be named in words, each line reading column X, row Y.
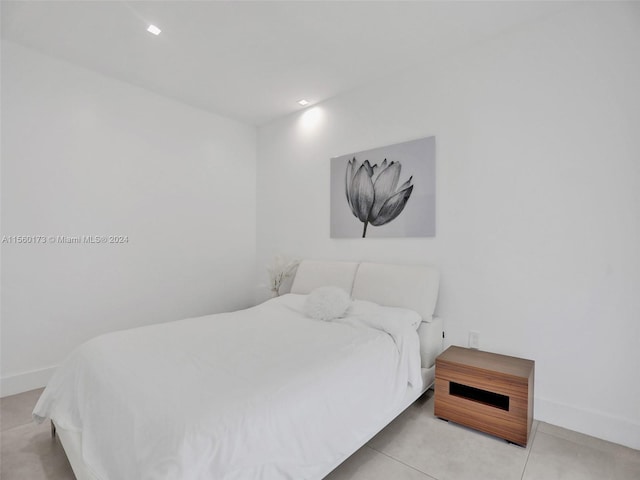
column 480, row 396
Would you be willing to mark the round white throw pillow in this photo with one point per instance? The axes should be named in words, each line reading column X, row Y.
column 327, row 303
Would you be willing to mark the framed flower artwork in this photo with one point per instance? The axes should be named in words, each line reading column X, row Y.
column 385, row 192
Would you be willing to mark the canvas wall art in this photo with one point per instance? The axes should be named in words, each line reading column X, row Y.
column 385, row 192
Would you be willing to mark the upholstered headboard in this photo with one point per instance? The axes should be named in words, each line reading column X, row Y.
column 312, row 274
column 408, row 286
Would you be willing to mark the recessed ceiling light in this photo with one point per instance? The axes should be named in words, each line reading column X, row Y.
column 153, row 29
column 303, row 102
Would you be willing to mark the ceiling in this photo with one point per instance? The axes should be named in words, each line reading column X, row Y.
column 253, row 61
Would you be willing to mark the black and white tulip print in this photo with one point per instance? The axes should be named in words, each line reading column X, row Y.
column 385, row 192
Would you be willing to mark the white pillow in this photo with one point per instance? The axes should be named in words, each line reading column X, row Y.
column 404, row 316
column 327, row 303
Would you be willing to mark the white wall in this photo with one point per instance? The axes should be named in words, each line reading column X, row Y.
column 538, row 201
column 83, row 154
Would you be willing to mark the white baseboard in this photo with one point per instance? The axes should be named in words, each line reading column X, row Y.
column 590, row 422
column 23, row 382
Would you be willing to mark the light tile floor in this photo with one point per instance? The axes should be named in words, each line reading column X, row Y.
column 415, row 446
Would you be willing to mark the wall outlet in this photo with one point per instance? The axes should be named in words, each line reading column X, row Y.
column 474, row 340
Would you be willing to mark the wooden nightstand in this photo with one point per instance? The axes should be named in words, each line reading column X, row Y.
column 486, row 391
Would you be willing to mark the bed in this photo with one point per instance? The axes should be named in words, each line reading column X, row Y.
column 263, row 393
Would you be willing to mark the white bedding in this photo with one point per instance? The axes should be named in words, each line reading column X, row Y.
column 265, row 393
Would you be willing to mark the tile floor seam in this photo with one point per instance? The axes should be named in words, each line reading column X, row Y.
column 15, row 426
column 582, row 444
column 401, row 462
column 577, row 444
column 533, row 439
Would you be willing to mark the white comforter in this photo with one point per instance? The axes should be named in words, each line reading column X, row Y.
column 264, row 393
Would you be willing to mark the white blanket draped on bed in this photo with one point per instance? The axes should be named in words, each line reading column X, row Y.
column 265, row 393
